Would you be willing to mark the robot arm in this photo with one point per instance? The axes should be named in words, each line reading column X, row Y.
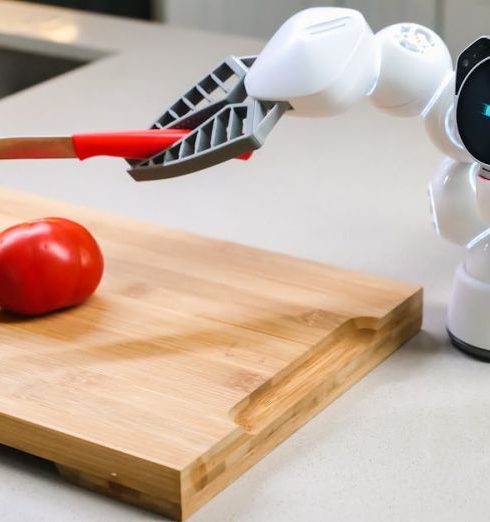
column 324, row 60
column 319, row 63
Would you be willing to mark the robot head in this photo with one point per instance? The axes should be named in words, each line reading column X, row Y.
column 473, row 100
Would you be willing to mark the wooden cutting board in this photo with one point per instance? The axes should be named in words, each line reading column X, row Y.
column 194, row 359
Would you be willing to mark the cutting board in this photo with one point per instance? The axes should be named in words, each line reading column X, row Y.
column 194, row 359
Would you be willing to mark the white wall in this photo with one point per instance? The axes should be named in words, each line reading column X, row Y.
column 458, row 21
column 381, row 13
column 249, row 17
column 464, row 21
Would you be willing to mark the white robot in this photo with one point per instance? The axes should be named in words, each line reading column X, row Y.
column 406, row 70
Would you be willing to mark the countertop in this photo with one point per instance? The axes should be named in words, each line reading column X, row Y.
column 409, row 441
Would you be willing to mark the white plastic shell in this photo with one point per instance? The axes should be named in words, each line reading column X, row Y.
column 470, row 301
column 414, row 62
column 440, row 122
column 452, row 193
column 477, row 261
column 467, row 317
column 322, row 61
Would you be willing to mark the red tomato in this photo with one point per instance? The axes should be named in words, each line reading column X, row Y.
column 46, row 265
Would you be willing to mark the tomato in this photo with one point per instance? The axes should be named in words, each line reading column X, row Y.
column 46, row 265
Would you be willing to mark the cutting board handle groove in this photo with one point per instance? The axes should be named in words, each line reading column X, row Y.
column 289, row 388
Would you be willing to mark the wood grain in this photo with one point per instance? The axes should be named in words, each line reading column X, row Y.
column 194, row 359
column 33, row 148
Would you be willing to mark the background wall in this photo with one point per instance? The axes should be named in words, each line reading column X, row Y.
column 458, row 21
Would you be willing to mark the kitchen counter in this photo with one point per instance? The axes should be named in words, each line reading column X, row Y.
column 409, row 441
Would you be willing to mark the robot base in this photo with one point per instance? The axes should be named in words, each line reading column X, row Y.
column 478, row 353
column 468, row 322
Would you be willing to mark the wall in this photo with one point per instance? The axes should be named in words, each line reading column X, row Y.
column 458, row 21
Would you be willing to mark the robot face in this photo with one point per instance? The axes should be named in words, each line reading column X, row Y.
column 473, row 99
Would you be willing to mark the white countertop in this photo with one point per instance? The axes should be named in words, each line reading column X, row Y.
column 408, row 442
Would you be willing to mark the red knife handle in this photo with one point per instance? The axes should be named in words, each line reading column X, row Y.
column 130, row 144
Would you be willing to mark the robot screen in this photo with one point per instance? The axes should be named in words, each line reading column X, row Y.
column 473, row 112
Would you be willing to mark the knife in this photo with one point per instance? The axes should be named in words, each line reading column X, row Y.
column 139, row 144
